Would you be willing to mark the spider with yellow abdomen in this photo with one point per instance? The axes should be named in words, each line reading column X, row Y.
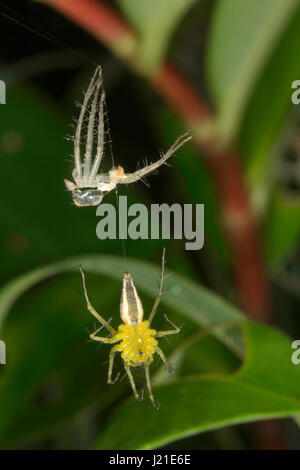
column 136, row 341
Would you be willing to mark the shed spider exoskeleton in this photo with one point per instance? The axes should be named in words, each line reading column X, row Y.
column 90, row 186
column 136, row 341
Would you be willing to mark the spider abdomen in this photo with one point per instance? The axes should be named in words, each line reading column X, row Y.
column 137, row 343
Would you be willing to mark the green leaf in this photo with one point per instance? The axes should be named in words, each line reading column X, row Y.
column 155, row 23
column 46, row 340
column 267, row 386
column 52, row 372
column 242, row 38
column 197, row 354
column 263, row 133
column 267, row 112
column 184, row 296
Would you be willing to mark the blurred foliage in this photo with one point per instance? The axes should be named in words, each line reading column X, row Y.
column 242, row 38
column 155, row 19
column 254, row 392
column 53, row 391
column 264, row 140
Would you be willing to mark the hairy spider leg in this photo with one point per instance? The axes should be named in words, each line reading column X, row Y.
column 165, row 360
column 160, row 290
column 148, row 381
column 87, row 97
column 91, row 125
column 131, row 380
column 159, row 334
column 139, row 174
column 100, row 144
column 93, row 311
column 112, row 353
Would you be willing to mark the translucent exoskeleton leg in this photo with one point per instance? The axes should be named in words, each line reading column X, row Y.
column 90, row 132
column 87, row 97
column 159, row 334
column 139, row 174
column 100, row 144
column 160, row 290
column 136, row 395
column 148, row 380
column 112, row 353
column 93, row 311
column 165, row 360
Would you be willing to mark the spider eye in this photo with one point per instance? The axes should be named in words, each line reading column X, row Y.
column 87, row 197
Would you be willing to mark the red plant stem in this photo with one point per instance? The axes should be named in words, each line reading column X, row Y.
column 105, row 24
column 97, row 18
column 225, row 167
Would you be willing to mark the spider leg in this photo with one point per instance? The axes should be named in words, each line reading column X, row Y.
column 159, row 334
column 154, row 403
column 94, row 336
column 139, row 174
column 165, row 360
column 102, row 326
column 128, row 371
column 87, row 96
column 104, row 339
column 91, row 125
column 100, row 144
column 160, row 290
column 111, row 363
column 91, row 308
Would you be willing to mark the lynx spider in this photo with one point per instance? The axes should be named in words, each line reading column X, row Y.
column 136, row 341
column 89, row 185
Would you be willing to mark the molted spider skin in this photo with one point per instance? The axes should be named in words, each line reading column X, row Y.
column 86, row 172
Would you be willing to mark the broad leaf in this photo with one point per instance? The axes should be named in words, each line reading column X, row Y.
column 267, row 386
column 241, row 40
column 46, row 341
column 263, row 130
column 53, row 372
column 154, row 23
column 184, row 296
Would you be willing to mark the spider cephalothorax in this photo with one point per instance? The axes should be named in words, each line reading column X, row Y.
column 134, row 339
column 89, row 184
